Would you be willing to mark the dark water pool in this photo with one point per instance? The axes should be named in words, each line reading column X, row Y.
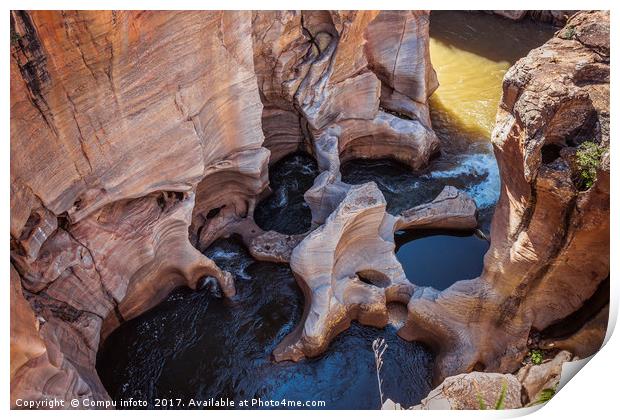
column 194, row 345
column 438, row 259
column 285, row 210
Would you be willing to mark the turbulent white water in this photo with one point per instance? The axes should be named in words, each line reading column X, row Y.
column 480, row 165
column 218, row 255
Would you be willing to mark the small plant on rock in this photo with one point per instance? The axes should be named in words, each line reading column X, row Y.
column 588, row 159
column 545, row 395
column 536, row 356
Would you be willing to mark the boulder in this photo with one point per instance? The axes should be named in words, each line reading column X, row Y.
column 474, row 391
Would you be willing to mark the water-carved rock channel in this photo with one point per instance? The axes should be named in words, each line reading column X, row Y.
column 236, row 205
column 199, row 345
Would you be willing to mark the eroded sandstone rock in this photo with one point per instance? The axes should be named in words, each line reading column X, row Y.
column 116, row 119
column 133, row 130
column 125, row 114
column 26, row 344
column 549, row 236
column 398, row 52
column 587, row 340
column 139, row 129
column 321, row 74
column 329, row 264
column 347, row 267
column 105, row 269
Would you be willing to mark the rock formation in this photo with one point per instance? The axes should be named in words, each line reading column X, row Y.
column 586, row 341
column 467, row 390
column 138, row 138
column 323, row 75
column 347, row 267
column 550, row 234
column 115, row 125
column 531, row 385
column 537, row 378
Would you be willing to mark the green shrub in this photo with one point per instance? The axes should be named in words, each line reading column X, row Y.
column 587, row 159
column 536, row 356
column 545, row 395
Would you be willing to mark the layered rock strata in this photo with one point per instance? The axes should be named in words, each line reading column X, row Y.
column 550, row 234
column 323, row 75
column 119, row 119
column 314, row 65
column 138, row 138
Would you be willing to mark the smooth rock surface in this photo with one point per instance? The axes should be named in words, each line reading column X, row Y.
column 348, row 270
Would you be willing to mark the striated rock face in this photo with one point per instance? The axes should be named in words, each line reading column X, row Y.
column 321, row 72
column 550, row 235
column 398, row 52
column 118, row 121
column 323, row 92
column 138, row 138
column 121, row 95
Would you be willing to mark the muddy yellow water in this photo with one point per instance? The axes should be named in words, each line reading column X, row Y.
column 471, row 52
column 470, row 87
